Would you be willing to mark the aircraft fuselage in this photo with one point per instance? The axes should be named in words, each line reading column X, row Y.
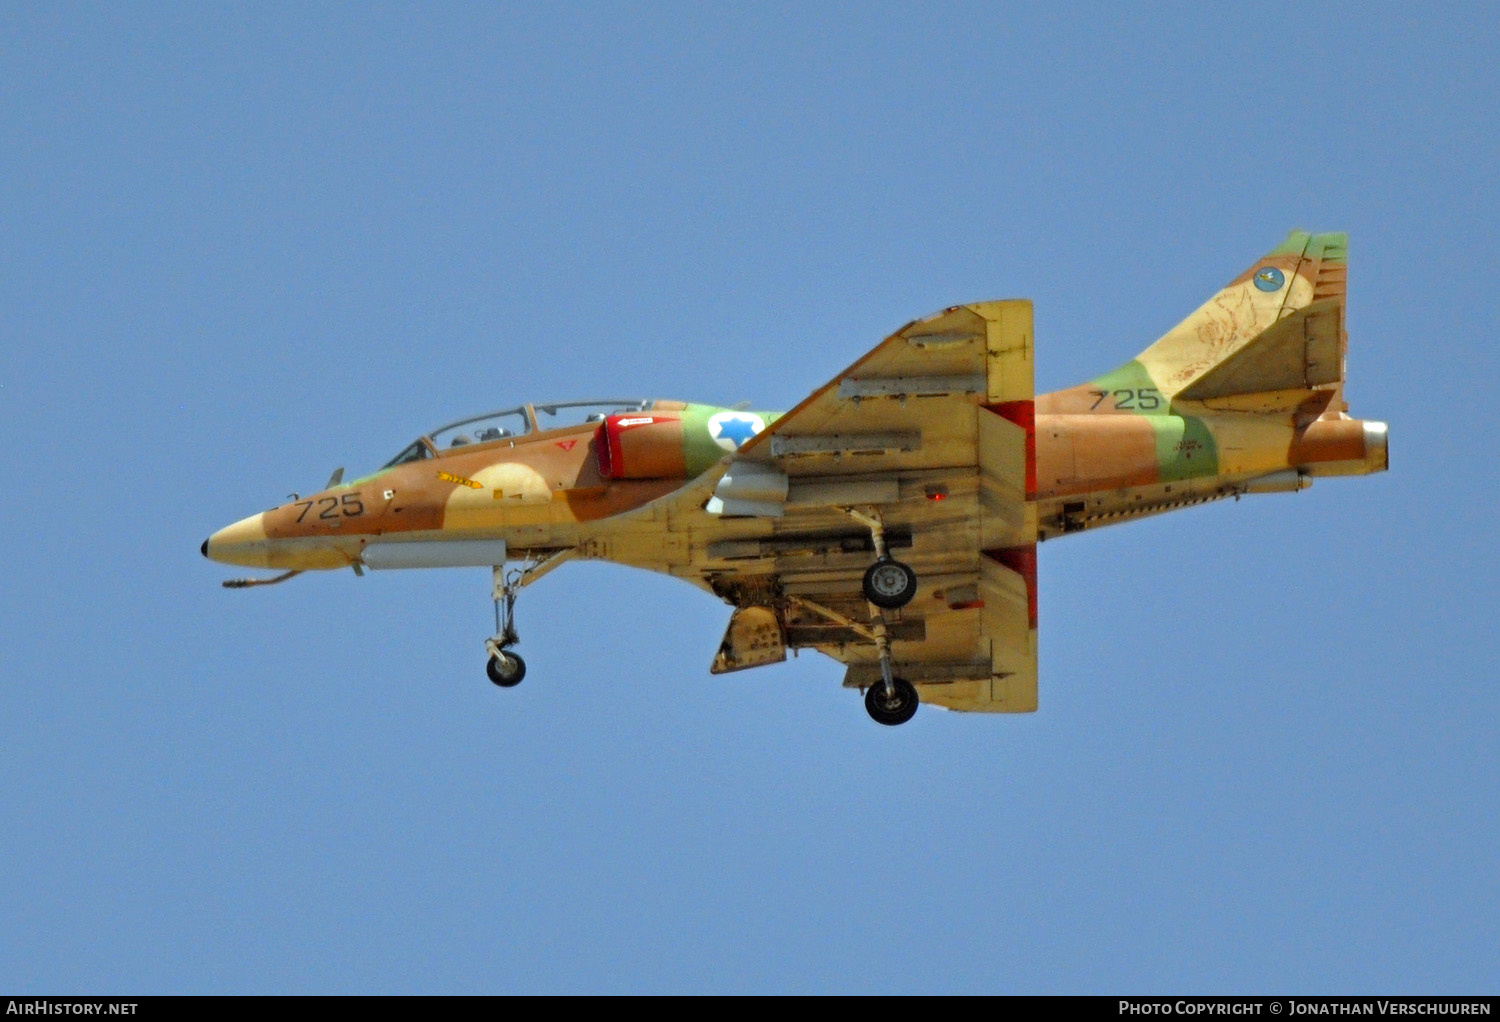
column 1095, row 464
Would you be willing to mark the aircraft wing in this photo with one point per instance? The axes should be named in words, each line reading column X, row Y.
column 932, row 429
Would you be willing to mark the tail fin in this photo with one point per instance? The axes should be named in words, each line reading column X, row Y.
column 1276, row 328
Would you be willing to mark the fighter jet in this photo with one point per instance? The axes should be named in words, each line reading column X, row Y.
column 891, row 519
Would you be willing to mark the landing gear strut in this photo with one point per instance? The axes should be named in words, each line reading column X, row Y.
column 505, row 667
column 891, row 700
column 888, row 585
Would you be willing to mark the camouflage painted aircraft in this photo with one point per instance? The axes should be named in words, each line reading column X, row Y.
column 891, row 519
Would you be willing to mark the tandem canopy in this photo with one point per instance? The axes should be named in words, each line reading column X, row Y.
column 513, row 422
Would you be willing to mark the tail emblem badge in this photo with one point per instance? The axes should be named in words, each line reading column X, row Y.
column 1269, row 278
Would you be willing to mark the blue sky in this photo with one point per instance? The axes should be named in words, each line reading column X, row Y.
column 243, row 245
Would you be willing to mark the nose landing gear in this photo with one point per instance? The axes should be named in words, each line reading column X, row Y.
column 505, row 667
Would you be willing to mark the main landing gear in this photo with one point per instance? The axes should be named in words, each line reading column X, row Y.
column 896, row 708
column 505, row 667
column 888, row 585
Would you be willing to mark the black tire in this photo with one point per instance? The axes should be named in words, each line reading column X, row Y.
column 889, row 584
column 897, row 710
column 509, row 673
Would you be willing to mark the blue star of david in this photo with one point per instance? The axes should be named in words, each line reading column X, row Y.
column 736, row 431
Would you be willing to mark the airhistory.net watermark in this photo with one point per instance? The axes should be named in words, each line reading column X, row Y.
column 40, row 1006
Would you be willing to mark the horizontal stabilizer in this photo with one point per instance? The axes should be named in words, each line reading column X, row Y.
column 1298, row 352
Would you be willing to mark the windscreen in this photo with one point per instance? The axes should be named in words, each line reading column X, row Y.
column 415, row 452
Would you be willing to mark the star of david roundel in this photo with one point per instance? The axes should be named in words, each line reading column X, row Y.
column 731, row 430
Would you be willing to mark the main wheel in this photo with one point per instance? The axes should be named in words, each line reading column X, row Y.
column 508, row 672
column 889, row 584
column 896, row 710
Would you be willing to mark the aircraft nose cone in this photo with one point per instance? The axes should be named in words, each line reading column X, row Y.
column 244, row 543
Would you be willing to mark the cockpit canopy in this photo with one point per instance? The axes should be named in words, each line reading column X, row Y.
column 511, row 423
column 481, row 429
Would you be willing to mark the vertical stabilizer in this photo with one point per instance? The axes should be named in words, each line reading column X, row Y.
column 1301, row 280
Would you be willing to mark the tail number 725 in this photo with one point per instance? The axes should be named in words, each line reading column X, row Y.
column 1144, row 399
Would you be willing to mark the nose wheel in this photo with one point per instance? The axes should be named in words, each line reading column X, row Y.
column 506, row 669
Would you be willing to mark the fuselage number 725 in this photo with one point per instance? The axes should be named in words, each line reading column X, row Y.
column 349, row 502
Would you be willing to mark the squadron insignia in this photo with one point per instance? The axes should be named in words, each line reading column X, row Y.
column 1269, row 278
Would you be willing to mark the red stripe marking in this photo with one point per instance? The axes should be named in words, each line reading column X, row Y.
column 1021, row 560
column 1023, row 414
